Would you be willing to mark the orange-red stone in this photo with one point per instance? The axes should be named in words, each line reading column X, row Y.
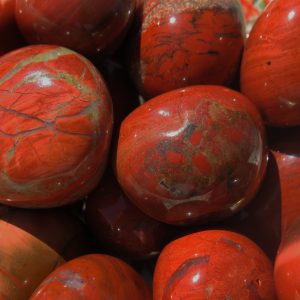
column 55, row 126
column 181, row 43
column 192, row 155
column 270, row 71
column 213, row 265
column 93, row 277
column 32, row 245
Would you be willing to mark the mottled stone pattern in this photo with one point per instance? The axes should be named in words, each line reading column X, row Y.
column 192, row 154
column 93, row 277
column 55, row 126
column 91, row 27
column 270, row 70
column 181, row 43
column 213, row 265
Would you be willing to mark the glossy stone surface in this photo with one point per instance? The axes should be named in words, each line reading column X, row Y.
column 11, row 38
column 93, row 277
column 192, row 155
column 261, row 219
column 91, row 27
column 213, row 265
column 33, row 244
column 55, row 126
column 285, row 145
column 120, row 227
column 270, row 71
column 182, row 43
column 287, row 266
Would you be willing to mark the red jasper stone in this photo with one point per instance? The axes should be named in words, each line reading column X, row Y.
column 55, row 126
column 261, row 219
column 192, row 155
column 287, row 265
column 270, row 70
column 91, row 27
column 121, row 227
column 93, row 277
column 32, row 245
column 213, row 265
column 56, row 228
column 11, row 38
column 285, row 145
column 180, row 43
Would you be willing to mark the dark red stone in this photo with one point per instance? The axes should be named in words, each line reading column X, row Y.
column 120, row 227
column 11, row 38
column 54, row 227
column 55, row 126
column 33, row 244
column 270, row 72
column 91, row 27
column 287, row 266
column 261, row 219
column 213, row 264
column 93, row 277
column 192, row 155
column 123, row 93
column 181, row 43
column 285, row 145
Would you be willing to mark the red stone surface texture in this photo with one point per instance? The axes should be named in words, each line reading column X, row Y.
column 181, row 43
column 212, row 265
column 91, row 27
column 55, row 127
column 270, row 71
column 93, row 277
column 192, row 155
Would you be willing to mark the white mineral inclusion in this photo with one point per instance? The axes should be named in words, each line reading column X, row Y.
column 44, row 82
column 196, row 278
column 172, row 20
column 291, row 15
column 42, row 79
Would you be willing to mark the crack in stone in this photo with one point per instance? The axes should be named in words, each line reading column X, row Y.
column 26, row 116
column 21, row 133
column 89, row 96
